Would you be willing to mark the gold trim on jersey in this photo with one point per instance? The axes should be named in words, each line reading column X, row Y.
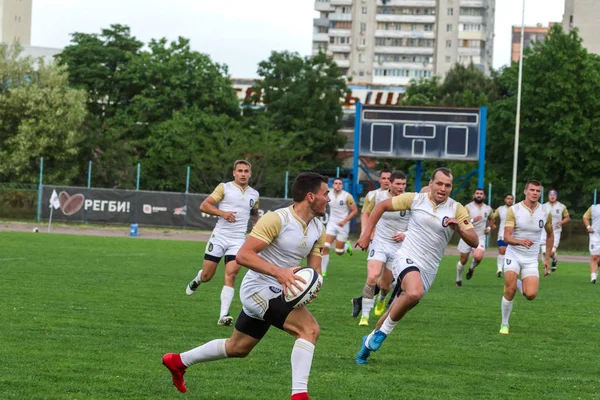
column 262, row 303
column 242, row 189
column 434, row 204
column 529, row 209
column 297, row 218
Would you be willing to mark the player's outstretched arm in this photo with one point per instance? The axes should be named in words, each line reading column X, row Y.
column 374, row 217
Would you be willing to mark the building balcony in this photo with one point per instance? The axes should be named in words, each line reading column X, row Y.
column 320, row 37
column 323, row 6
column 341, row 2
column 340, row 32
column 410, row 19
column 404, row 50
column 469, row 35
column 392, row 80
column 471, row 19
column 403, row 65
column 474, row 3
column 340, row 48
column 411, row 3
column 321, row 22
column 343, row 63
column 340, row 17
column 405, row 34
column 470, row 51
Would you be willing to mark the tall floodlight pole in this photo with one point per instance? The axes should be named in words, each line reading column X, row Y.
column 516, row 155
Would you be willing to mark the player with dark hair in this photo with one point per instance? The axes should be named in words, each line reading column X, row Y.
column 560, row 216
column 384, row 184
column 237, row 203
column 342, row 209
column 480, row 213
column 591, row 220
column 272, row 252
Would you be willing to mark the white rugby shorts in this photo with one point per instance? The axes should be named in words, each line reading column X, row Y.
column 340, row 233
column 219, row 246
column 383, row 251
column 403, row 263
column 524, row 267
column 463, row 247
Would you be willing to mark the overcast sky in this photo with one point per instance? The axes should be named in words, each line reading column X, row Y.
column 239, row 33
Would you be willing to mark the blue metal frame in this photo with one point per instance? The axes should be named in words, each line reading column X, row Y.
column 40, row 187
column 357, row 117
column 482, row 140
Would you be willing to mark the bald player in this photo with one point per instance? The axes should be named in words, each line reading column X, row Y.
column 525, row 222
column 434, row 218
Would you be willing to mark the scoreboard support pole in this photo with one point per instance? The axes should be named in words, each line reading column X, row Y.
column 418, row 172
column 357, row 120
column 482, row 139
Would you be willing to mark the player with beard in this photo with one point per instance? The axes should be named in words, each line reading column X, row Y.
column 479, row 213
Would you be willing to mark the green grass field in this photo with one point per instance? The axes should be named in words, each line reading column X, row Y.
column 90, row 317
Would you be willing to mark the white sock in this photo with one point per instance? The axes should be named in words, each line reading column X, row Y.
column 226, row 299
column 474, row 264
column 500, row 262
column 346, row 246
column 520, row 285
column 367, row 305
column 506, row 309
column 302, row 356
column 199, row 277
column 594, row 276
column 459, row 271
column 324, row 262
column 388, row 325
column 213, row 350
column 381, row 296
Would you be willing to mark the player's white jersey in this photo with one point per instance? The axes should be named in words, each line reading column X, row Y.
column 483, row 211
column 232, row 197
column 369, row 199
column 428, row 232
column 391, row 221
column 339, row 206
column 290, row 240
column 501, row 213
column 559, row 212
column 593, row 213
column 528, row 225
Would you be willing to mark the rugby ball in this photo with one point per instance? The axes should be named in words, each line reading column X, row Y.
column 309, row 289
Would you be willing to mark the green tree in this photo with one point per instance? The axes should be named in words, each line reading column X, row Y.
column 40, row 115
column 303, row 98
column 560, row 118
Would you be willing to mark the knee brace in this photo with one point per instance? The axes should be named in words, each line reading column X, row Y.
column 339, row 251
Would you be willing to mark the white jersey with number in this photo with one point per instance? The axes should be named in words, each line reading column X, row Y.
column 339, row 206
column 559, row 212
column 483, row 211
column 391, row 221
column 428, row 232
column 593, row 214
column 289, row 240
column 528, row 225
column 501, row 214
column 231, row 197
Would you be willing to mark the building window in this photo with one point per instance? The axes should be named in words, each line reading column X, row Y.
column 361, row 73
column 450, row 11
column 413, row 27
column 364, row 11
column 428, row 27
column 363, row 42
column 363, row 27
column 448, row 43
column 361, row 58
column 449, row 28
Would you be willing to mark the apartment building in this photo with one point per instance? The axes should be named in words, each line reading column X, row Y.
column 394, row 41
column 15, row 21
column 585, row 16
column 531, row 34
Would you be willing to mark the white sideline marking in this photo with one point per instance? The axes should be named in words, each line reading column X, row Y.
column 12, row 259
